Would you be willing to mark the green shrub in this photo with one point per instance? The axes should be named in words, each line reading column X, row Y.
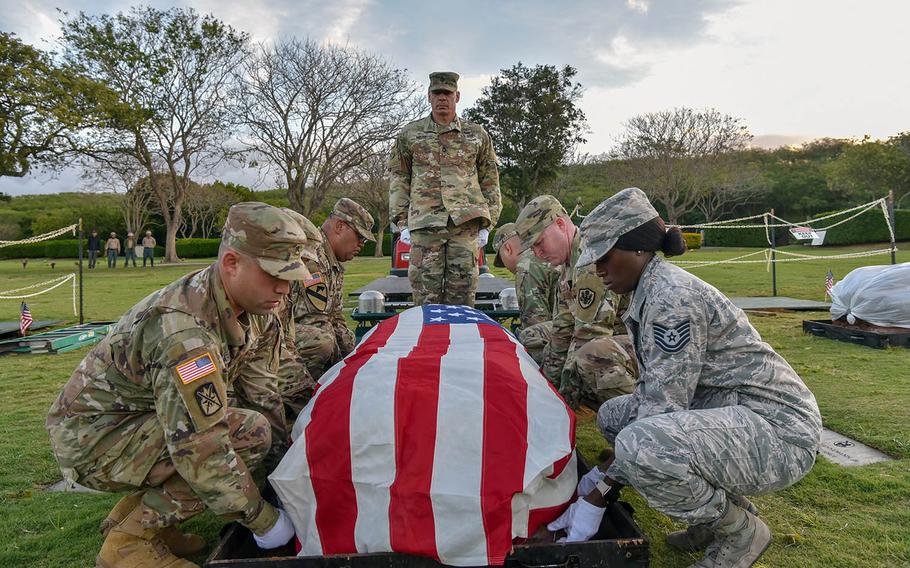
column 737, row 238
column 870, row 227
column 197, row 248
column 370, row 247
column 27, row 250
column 693, row 240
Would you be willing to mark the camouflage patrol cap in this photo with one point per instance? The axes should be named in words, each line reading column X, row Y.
column 503, row 233
column 356, row 216
column 536, row 216
column 271, row 236
column 614, row 217
column 310, row 231
column 444, row 81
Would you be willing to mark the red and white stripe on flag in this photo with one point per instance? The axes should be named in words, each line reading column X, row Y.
column 438, row 436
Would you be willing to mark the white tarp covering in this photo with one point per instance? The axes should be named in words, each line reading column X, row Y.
column 879, row 295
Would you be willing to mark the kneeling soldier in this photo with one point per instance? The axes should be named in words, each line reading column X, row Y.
column 147, row 409
column 536, row 285
column 321, row 335
column 589, row 356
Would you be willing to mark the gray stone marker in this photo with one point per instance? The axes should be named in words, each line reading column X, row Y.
column 844, row 451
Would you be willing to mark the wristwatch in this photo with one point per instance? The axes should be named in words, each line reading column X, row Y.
column 603, row 488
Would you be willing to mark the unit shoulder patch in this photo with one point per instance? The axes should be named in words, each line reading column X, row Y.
column 586, row 297
column 672, row 339
column 208, row 399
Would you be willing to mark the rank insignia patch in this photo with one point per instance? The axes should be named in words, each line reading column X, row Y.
column 586, row 297
column 672, row 339
column 208, row 400
column 196, row 368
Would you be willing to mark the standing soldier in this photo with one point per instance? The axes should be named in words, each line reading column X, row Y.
column 588, row 354
column 147, row 410
column 94, row 247
column 148, row 248
column 443, row 196
column 129, row 248
column 536, row 284
column 322, row 336
column 113, row 249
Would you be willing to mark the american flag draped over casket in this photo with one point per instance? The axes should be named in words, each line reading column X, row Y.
column 438, row 436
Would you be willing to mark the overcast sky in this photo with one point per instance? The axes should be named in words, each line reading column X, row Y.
column 793, row 70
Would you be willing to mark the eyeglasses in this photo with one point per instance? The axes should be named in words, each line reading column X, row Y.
column 360, row 238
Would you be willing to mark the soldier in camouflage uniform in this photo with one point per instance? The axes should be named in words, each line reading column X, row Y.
column 716, row 413
column 147, row 410
column 321, row 333
column 588, row 356
column 443, row 196
column 536, row 285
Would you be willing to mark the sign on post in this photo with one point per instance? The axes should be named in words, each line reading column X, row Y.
column 803, row 233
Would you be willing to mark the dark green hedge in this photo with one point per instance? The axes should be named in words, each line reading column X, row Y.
column 693, row 240
column 56, row 248
column 869, row 227
column 370, row 247
column 197, row 248
column 737, row 238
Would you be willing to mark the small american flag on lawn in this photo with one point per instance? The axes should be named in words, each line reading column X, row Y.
column 25, row 318
column 829, row 283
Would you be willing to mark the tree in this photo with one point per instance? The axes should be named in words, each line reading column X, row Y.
column 369, row 186
column 123, row 176
column 312, row 112
column 532, row 117
column 868, row 170
column 206, row 208
column 673, row 155
column 737, row 183
column 173, row 70
column 42, row 105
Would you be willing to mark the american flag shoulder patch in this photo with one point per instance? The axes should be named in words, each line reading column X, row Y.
column 196, row 368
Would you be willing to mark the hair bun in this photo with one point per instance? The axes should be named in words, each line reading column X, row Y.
column 674, row 244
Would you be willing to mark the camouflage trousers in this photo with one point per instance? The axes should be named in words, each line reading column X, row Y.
column 443, row 264
column 535, row 339
column 167, row 498
column 599, row 370
column 321, row 345
column 686, row 463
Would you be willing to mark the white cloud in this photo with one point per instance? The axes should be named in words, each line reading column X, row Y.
column 640, row 6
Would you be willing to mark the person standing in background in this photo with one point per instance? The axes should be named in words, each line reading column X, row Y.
column 129, row 248
column 94, row 247
column 113, row 249
column 444, row 196
column 148, row 248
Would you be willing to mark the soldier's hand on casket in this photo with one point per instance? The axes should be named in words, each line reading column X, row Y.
column 580, row 521
column 405, row 236
column 278, row 535
column 482, row 237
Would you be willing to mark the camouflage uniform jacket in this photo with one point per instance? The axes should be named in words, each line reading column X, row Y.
column 320, row 300
column 584, row 310
column 697, row 350
column 174, row 355
column 443, row 171
column 536, row 282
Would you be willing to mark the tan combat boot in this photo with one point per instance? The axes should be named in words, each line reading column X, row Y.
column 181, row 544
column 130, row 545
column 697, row 537
column 740, row 538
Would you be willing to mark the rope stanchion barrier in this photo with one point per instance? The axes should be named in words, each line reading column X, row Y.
column 728, row 223
column 800, row 258
column 52, row 284
column 39, row 238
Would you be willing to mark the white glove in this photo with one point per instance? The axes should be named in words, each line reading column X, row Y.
column 581, row 521
column 482, row 237
column 589, row 480
column 279, row 535
column 405, row 236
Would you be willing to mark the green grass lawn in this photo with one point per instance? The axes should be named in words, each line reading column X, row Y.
column 835, row 517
